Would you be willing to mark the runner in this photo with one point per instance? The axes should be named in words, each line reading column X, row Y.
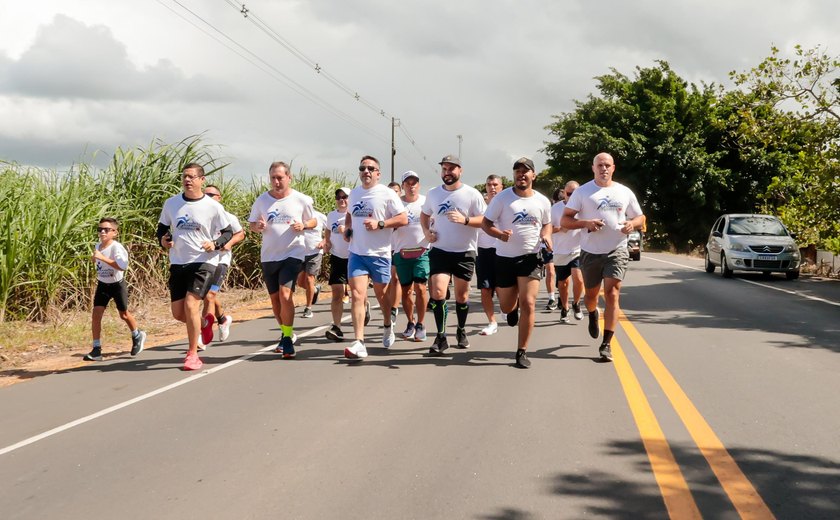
column 338, row 249
column 282, row 214
column 520, row 218
column 485, row 262
column 451, row 216
column 314, row 239
column 192, row 227
column 111, row 260
column 374, row 210
column 549, row 268
column 566, row 244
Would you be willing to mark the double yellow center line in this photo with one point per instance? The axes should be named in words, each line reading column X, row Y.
column 672, row 484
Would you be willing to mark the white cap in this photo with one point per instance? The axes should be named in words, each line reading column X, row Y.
column 343, row 189
column 408, row 174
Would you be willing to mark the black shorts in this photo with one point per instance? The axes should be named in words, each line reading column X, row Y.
column 282, row 273
column 565, row 271
column 312, row 264
column 509, row 269
column 106, row 291
column 460, row 265
column 193, row 278
column 485, row 268
column 338, row 270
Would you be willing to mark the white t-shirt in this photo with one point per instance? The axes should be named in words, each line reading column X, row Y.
column 566, row 242
column 525, row 216
column 338, row 246
column 115, row 251
column 191, row 223
column 312, row 237
column 378, row 202
column 614, row 204
column 451, row 236
column 279, row 240
column 411, row 235
column 226, row 256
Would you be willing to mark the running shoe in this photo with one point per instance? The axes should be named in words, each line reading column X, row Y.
column 94, row 355
column 394, row 313
column 420, row 332
column 409, row 331
column 594, row 330
column 138, row 342
column 307, row 313
column 356, row 350
column 388, row 337
column 552, row 304
column 207, row 329
column 317, row 293
column 201, row 346
column 367, row 313
column 490, row 329
column 287, row 347
column 294, row 337
column 192, row 362
column 345, row 299
column 513, row 317
column 522, row 360
column 224, row 327
column 576, row 310
column 439, row 346
column 334, row 334
column 461, row 337
column 564, row 315
column 605, row 352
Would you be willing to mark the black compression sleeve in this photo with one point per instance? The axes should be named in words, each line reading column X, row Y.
column 161, row 230
column 226, row 235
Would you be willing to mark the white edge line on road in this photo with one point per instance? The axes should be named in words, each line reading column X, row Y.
column 788, row 291
column 119, row 406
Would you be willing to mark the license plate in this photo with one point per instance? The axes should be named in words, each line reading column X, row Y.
column 767, row 257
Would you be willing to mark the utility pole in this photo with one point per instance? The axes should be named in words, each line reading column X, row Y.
column 460, row 138
column 394, row 124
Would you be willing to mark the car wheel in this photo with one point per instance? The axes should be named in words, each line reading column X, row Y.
column 710, row 267
column 792, row 275
column 724, row 267
column 636, row 256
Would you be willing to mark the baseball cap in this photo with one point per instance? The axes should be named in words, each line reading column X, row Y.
column 451, row 159
column 343, row 189
column 524, row 161
column 409, row 174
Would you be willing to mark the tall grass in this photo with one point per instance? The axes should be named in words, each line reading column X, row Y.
column 48, row 224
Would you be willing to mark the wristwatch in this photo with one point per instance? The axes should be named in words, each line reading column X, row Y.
column 381, row 224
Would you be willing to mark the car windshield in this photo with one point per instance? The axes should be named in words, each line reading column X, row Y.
column 755, row 225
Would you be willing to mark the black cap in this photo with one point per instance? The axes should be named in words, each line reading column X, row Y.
column 524, row 161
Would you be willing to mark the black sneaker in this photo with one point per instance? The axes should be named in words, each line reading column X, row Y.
column 576, row 310
column 367, row 313
column 522, row 360
column 439, row 346
column 317, row 293
column 605, row 352
column 564, row 315
column 307, row 313
column 94, row 355
column 137, row 343
column 552, row 304
column 287, row 347
column 513, row 317
column 594, row 331
column 461, row 337
column 334, row 334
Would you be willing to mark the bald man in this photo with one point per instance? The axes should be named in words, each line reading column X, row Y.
column 608, row 211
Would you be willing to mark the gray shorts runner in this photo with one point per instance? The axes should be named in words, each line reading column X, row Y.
column 596, row 267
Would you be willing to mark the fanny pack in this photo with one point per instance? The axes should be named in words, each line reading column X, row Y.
column 410, row 253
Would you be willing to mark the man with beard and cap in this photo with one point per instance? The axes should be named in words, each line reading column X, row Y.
column 450, row 218
column 609, row 211
column 520, row 219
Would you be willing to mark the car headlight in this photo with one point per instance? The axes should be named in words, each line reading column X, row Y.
column 790, row 248
column 737, row 246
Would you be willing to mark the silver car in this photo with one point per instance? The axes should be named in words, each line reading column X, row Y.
column 746, row 242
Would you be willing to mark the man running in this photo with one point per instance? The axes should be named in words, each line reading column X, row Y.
column 485, row 263
column 609, row 212
column 193, row 227
column 450, row 218
column 281, row 215
column 374, row 210
column 338, row 249
column 314, row 240
column 520, row 219
column 566, row 244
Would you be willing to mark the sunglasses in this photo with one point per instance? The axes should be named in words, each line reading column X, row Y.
column 341, row 197
column 105, row 230
column 213, row 194
column 368, row 169
column 569, row 193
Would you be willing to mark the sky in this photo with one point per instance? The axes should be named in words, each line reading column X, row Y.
column 79, row 78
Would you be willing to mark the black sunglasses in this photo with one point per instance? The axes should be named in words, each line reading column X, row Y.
column 105, row 229
column 214, row 194
column 368, row 168
column 341, row 197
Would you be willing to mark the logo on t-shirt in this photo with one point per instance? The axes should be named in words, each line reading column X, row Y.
column 413, row 218
column 524, row 218
column 607, row 204
column 335, row 226
column 444, row 207
column 275, row 217
column 362, row 209
column 185, row 223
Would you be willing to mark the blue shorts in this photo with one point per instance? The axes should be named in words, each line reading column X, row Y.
column 377, row 267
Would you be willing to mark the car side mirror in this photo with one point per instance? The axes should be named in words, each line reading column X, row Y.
column 793, row 236
column 717, row 234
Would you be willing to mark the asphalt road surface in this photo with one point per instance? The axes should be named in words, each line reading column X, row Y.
column 722, row 402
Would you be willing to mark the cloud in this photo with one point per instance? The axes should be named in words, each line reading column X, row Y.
column 69, row 59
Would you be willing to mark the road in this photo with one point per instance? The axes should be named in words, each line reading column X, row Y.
column 721, row 403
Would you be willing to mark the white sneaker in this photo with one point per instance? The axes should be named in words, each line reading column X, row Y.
column 490, row 329
column 224, row 328
column 201, row 345
column 388, row 337
column 356, row 350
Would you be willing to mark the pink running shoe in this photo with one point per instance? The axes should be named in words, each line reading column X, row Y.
column 207, row 329
column 192, row 362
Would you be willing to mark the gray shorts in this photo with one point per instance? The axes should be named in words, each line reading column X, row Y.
column 596, row 267
column 312, row 264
